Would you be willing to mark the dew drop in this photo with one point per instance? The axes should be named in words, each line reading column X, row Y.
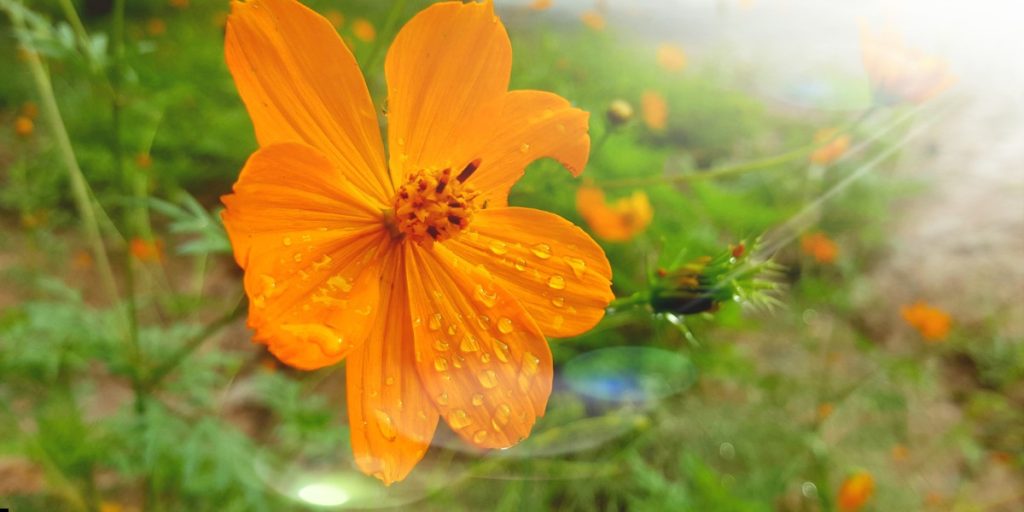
column 287, row 241
column 503, row 414
column 485, row 358
column 435, row 322
column 443, row 398
column 458, row 419
column 322, row 263
column 524, row 148
column 483, row 321
column 488, row 379
column 558, row 302
column 452, row 329
column 556, row 282
column 487, row 298
column 458, row 361
column 469, row 344
column 504, row 325
column 502, row 351
column 542, row 251
column 297, row 257
column 440, row 345
column 479, row 436
column 530, row 363
column 520, row 264
column 441, row 364
column 386, row 426
column 389, row 381
column 498, row 247
column 578, row 266
column 340, row 283
column 478, row 399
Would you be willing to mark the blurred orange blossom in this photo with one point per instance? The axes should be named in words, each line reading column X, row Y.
column 671, row 57
column 655, row 110
column 820, row 247
column 411, row 266
column 932, row 323
column 832, row 146
column 855, row 491
column 898, row 72
column 619, row 221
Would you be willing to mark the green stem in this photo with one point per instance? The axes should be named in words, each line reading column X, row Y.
column 636, row 299
column 397, row 8
column 79, row 186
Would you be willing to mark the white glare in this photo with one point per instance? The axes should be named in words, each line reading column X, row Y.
column 323, row 494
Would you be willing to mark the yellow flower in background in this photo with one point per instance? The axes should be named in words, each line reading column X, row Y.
column 932, row 323
column 619, row 221
column 540, row 5
column 855, row 492
column 23, row 126
column 409, row 265
column 593, row 19
column 832, row 146
column 671, row 57
column 363, row 30
column 820, row 247
column 899, row 73
column 655, row 110
column 336, row 18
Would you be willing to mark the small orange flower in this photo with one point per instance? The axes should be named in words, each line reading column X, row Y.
column 655, row 110
column 156, row 27
column 594, row 20
column 29, row 110
column 146, row 250
column 931, row 322
column 82, row 260
column 336, row 18
column 617, row 222
column 825, row 410
column 143, row 160
column 23, row 126
column 899, row 73
column 671, row 57
column 540, row 5
column 409, row 266
column 856, row 491
column 831, row 146
column 363, row 30
column 178, row 4
column 900, row 453
column 820, row 247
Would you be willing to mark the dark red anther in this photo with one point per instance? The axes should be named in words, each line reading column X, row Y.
column 738, row 251
column 469, row 170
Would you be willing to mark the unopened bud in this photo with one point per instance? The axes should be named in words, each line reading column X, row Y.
column 619, row 112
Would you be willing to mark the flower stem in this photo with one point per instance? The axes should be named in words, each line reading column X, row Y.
column 79, row 186
column 385, row 34
column 638, row 298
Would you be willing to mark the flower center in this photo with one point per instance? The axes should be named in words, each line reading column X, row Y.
column 433, row 206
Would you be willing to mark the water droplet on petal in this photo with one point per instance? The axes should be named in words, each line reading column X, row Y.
column 440, row 345
column 503, row 413
column 452, row 329
column 478, row 399
column 558, row 302
column 542, row 251
column 498, row 247
column 458, row 419
column 435, row 322
column 440, row 364
column 297, row 257
column 485, row 358
column 578, row 266
column 287, row 241
column 488, row 379
column 389, row 381
column 469, row 344
column 486, row 297
column 524, row 148
column 520, row 264
column 479, row 436
column 386, row 426
column 443, row 398
column 340, row 283
column 484, row 322
column 531, row 363
column 557, row 282
column 502, row 351
column 504, row 325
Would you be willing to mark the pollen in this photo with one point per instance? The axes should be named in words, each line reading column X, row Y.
column 433, row 206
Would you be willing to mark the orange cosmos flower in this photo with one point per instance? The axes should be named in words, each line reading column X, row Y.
column 931, row 322
column 594, row 20
column 363, row 30
column 146, row 250
column 617, row 222
column 855, row 491
column 655, row 110
column 412, row 266
column 832, row 146
column 671, row 57
column 23, row 126
column 820, row 247
column 899, row 73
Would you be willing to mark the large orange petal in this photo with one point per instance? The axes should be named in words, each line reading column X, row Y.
column 480, row 356
column 392, row 420
column 308, row 247
column 532, row 125
column 558, row 273
column 447, row 72
column 301, row 84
